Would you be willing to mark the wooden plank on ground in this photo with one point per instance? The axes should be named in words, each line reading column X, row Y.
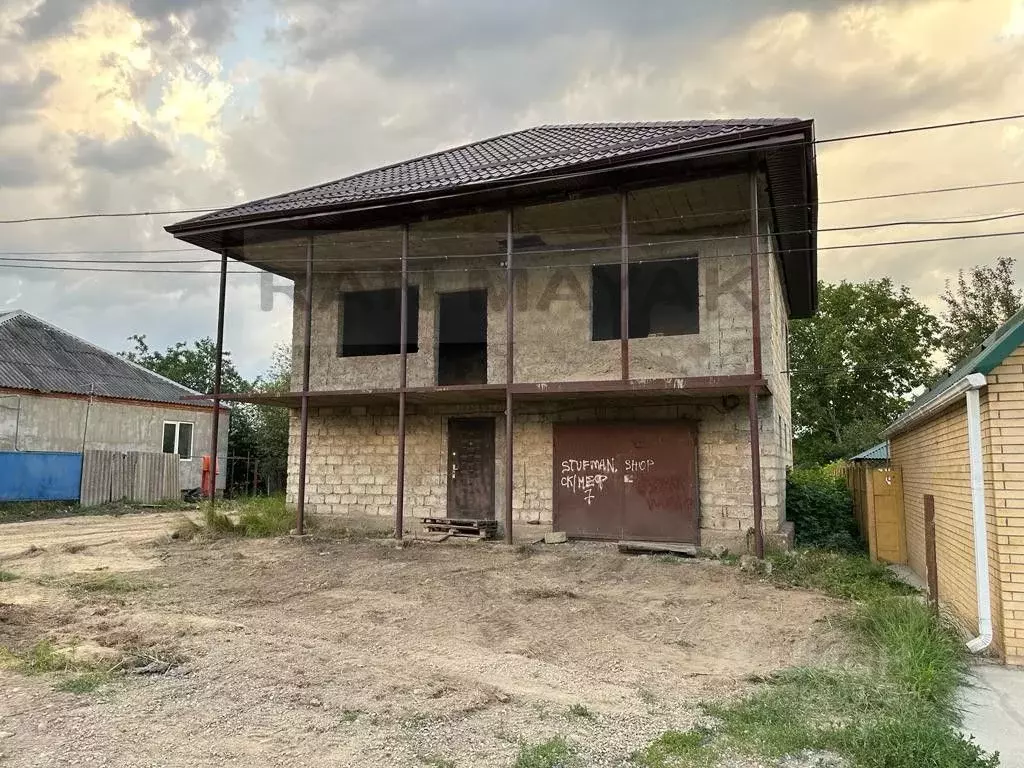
column 650, row 547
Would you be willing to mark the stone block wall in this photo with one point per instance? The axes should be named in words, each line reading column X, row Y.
column 553, row 319
column 353, row 459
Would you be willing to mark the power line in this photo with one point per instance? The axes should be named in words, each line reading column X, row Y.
column 832, row 140
column 917, row 129
column 111, row 215
column 694, row 215
column 392, row 272
column 935, row 191
column 30, row 256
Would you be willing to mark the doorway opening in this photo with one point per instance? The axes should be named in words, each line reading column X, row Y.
column 462, row 338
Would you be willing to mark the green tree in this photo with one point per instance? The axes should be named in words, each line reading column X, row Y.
column 257, row 433
column 854, row 364
column 271, row 424
column 984, row 299
column 193, row 366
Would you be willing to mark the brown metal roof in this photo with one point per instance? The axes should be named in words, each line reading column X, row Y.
column 544, row 160
column 513, row 155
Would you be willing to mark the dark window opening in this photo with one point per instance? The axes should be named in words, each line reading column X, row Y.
column 371, row 322
column 170, row 437
column 462, row 338
column 662, row 299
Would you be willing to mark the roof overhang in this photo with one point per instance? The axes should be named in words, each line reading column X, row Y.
column 927, row 410
column 784, row 153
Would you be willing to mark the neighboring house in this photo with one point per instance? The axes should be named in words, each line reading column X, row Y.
column 653, row 268
column 875, row 456
column 61, row 396
column 962, row 445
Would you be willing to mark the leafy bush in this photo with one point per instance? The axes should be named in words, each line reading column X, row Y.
column 821, row 508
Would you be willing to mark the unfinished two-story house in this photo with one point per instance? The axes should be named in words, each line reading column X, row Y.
column 577, row 326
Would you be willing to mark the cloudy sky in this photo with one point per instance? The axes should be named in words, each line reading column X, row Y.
column 172, row 104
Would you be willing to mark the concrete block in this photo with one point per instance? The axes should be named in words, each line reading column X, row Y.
column 556, row 537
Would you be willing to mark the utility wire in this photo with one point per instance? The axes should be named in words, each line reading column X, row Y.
column 32, row 256
column 832, row 140
column 254, row 271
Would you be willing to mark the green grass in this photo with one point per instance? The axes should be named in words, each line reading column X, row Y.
column 892, row 706
column 218, row 524
column 112, row 584
column 581, row 711
column 86, row 682
column 675, row 748
column 436, row 762
column 258, row 517
column 8, row 576
column 45, row 657
column 553, row 753
column 265, row 516
column 852, row 577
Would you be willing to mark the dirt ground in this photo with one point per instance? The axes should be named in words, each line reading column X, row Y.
column 359, row 653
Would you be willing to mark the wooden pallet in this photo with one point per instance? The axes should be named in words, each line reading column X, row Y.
column 464, row 528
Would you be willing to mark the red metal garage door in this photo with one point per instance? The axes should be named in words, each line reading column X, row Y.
column 626, row 481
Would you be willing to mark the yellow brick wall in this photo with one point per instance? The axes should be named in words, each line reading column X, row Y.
column 1004, row 444
column 934, row 459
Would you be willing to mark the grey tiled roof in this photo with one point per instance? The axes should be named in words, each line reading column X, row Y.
column 37, row 356
column 541, row 150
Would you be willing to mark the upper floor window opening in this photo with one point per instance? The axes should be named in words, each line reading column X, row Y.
column 663, row 299
column 371, row 322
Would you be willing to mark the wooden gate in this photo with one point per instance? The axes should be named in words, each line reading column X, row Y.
column 878, row 504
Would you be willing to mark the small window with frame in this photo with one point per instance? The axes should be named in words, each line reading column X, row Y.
column 178, row 439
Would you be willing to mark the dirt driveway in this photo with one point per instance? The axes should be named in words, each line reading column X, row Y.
column 358, row 653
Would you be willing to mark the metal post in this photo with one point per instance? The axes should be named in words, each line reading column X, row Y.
column 755, row 273
column 931, row 559
column 300, row 506
column 755, row 321
column 255, row 476
column 509, row 373
column 755, row 469
column 217, row 371
column 403, row 383
column 624, row 286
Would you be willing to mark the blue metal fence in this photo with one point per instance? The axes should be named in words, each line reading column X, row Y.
column 40, row 476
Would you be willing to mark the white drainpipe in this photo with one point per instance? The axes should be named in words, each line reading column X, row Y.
column 984, row 638
column 969, row 386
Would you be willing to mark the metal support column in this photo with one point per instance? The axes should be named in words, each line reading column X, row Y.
column 403, row 384
column 755, row 319
column 624, row 286
column 300, row 505
column 218, row 365
column 509, row 373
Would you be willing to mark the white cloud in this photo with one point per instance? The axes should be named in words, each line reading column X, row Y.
column 349, row 87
